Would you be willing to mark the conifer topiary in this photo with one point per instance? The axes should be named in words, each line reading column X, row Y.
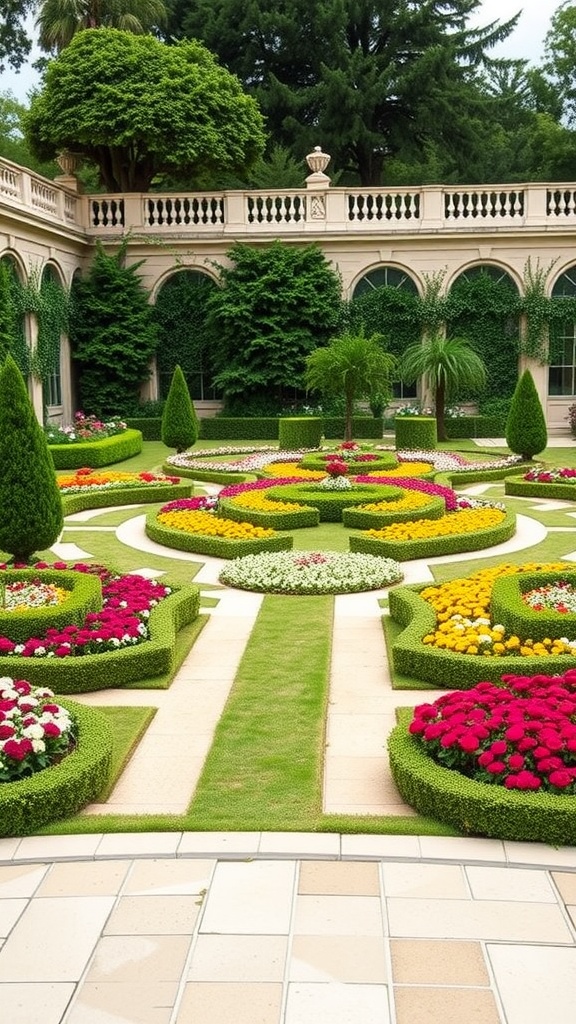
column 180, row 427
column 30, row 503
column 526, row 432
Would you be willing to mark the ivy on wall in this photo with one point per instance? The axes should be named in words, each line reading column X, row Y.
column 180, row 314
column 49, row 301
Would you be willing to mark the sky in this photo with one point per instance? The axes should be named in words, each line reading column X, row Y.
column 526, row 41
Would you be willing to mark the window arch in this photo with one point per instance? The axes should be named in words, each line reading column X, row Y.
column 562, row 348
column 181, row 313
column 50, row 328
column 383, row 301
column 384, row 277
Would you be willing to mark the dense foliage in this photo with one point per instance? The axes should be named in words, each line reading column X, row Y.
column 180, row 425
column 526, row 433
column 181, row 312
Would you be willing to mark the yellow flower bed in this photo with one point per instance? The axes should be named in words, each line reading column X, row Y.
column 405, row 469
column 468, row 520
column 96, row 478
column 209, row 525
column 291, row 469
column 463, row 621
column 257, row 500
column 410, row 499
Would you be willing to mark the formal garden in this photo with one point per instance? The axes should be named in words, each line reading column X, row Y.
column 469, row 553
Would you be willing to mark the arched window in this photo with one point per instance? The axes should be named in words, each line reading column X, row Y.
column 562, row 350
column 181, row 314
column 383, row 299
column 20, row 349
column 50, row 336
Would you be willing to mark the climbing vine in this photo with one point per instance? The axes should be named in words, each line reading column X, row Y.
column 538, row 310
column 183, row 338
column 48, row 300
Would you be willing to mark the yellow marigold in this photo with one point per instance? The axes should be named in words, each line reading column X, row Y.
column 468, row 520
column 258, row 501
column 291, row 469
column 410, row 499
column 209, row 525
column 409, row 469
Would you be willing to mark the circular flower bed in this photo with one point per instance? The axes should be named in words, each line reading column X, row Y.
column 85, row 480
column 311, row 572
column 35, row 731
column 557, row 597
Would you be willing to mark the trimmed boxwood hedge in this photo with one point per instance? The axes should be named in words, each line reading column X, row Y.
column 296, row 432
column 518, row 487
column 451, row 670
column 384, row 461
column 428, row 547
column 360, row 519
column 281, row 520
column 330, row 504
column 96, row 454
column 476, row 808
column 475, row 426
column 124, row 496
column 235, row 428
column 65, row 788
column 508, row 607
column 475, row 476
column 218, row 547
column 149, row 426
column 88, row 672
column 86, row 597
column 208, row 475
column 413, row 432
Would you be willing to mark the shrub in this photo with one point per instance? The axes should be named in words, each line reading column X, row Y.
column 96, row 454
column 30, row 505
column 299, row 432
column 180, row 426
column 415, row 432
column 526, row 433
column 218, row 547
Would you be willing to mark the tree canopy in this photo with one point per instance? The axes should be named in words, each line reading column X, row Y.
column 15, row 43
column 59, row 20
column 368, row 80
column 446, row 364
column 138, row 108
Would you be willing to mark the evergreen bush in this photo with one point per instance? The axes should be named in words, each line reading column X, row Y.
column 299, row 432
column 415, row 432
column 526, row 433
column 180, row 427
column 30, row 504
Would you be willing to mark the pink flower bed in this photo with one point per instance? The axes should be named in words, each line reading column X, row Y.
column 122, row 621
column 414, row 484
column 520, row 735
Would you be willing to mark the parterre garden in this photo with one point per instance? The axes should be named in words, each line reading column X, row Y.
column 495, row 756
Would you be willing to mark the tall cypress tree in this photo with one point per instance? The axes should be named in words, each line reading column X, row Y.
column 30, row 503
column 180, row 425
column 526, row 432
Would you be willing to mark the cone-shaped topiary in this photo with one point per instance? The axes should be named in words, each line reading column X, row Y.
column 526, row 433
column 180, row 427
column 30, row 502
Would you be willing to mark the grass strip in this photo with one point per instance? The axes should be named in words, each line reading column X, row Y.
column 128, row 725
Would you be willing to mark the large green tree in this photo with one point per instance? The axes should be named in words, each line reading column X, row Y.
column 276, row 305
column 138, row 108
column 446, row 364
column 59, row 20
column 353, row 367
column 15, row 43
column 113, row 334
column 367, row 79
column 559, row 65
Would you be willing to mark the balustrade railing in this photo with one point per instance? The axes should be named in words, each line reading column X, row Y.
column 312, row 210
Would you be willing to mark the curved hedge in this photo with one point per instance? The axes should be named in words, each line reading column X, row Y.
column 429, row 547
column 96, row 454
column 475, row 808
column 86, row 596
column 296, row 519
column 85, row 673
column 507, row 606
column 330, row 504
column 64, row 788
column 384, row 461
column 217, row 547
column 124, row 496
column 412, row 432
column 361, row 519
column 451, row 670
column 208, row 475
column 518, row 487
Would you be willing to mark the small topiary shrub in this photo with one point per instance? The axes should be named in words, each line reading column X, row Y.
column 180, row 427
column 297, row 432
column 414, row 432
column 96, row 454
column 526, row 433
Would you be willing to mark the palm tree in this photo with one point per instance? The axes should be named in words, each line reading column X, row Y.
column 351, row 366
column 59, row 20
column 447, row 365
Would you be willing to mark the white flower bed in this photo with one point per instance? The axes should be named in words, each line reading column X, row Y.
column 311, row 572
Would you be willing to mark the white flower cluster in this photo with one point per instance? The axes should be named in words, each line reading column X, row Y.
column 335, row 483
column 311, row 572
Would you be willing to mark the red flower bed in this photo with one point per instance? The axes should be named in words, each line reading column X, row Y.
column 521, row 735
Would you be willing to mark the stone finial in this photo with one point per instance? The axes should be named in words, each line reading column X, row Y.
column 317, row 162
column 69, row 163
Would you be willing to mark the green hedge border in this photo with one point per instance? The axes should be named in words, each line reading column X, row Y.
column 124, row 496
column 208, row 475
column 97, row 454
column 217, row 547
column 414, row 432
column 86, row 596
column 508, row 607
column 359, row 519
column 475, row 808
column 330, row 504
column 65, row 788
column 430, row 547
column 517, row 487
column 385, row 462
column 476, row 476
column 451, row 670
column 281, row 520
column 86, row 673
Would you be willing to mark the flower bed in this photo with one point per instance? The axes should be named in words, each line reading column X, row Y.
column 451, row 640
column 34, row 730
column 410, row 506
column 84, row 595
column 330, row 504
column 129, row 636
column 61, row 790
column 466, row 530
column 87, row 488
column 84, row 428
column 311, row 572
column 360, row 463
column 205, row 533
column 497, row 760
column 543, row 483
column 96, row 454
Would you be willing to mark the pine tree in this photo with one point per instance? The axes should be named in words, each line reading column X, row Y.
column 180, row 427
column 30, row 503
column 526, row 433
